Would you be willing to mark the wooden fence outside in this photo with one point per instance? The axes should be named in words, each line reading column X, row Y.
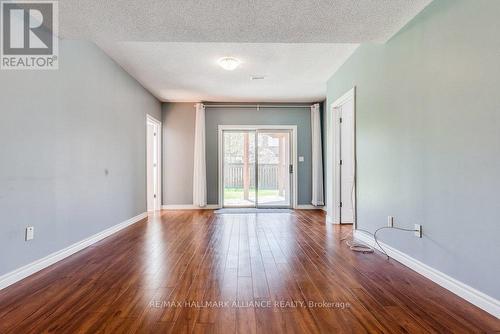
column 268, row 176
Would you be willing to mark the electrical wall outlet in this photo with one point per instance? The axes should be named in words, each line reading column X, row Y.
column 390, row 221
column 418, row 231
column 30, row 233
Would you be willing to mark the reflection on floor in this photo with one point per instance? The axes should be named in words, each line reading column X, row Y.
column 250, row 210
column 235, row 197
column 263, row 200
column 197, row 272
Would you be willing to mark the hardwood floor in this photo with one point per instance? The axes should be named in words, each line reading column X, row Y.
column 256, row 269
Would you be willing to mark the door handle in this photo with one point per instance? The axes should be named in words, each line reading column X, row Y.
column 290, row 168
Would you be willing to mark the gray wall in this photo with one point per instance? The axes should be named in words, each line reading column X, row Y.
column 178, row 183
column 59, row 132
column 265, row 116
column 178, row 152
column 428, row 137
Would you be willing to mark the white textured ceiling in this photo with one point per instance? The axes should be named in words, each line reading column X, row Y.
column 171, row 46
column 243, row 21
column 189, row 71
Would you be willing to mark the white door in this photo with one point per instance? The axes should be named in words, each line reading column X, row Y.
column 346, row 163
column 153, row 154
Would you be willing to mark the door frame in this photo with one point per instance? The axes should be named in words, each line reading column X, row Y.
column 335, row 144
column 158, row 199
column 294, row 160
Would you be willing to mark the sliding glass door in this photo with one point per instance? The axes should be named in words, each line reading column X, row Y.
column 239, row 168
column 274, row 168
column 256, row 168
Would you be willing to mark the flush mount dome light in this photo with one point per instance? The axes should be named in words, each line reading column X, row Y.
column 229, row 63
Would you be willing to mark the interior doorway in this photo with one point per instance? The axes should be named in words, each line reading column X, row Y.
column 153, row 163
column 256, row 167
column 344, row 147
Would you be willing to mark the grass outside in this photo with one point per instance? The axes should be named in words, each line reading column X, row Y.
column 237, row 193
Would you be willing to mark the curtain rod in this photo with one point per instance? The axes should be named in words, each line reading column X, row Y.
column 258, row 106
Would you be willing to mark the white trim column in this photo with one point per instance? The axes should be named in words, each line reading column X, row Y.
column 200, row 164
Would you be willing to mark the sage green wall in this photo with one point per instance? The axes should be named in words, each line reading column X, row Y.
column 428, row 137
column 178, row 152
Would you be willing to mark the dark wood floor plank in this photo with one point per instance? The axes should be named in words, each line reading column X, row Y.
column 258, row 267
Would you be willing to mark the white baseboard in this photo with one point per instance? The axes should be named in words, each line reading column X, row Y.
column 216, row 206
column 33, row 267
column 189, row 207
column 476, row 297
column 308, row 207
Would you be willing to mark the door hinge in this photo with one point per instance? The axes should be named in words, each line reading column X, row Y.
column 340, row 119
column 290, row 168
column 340, row 163
column 154, row 134
column 154, row 196
column 340, row 205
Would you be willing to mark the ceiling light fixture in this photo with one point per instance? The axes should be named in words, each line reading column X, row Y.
column 229, row 63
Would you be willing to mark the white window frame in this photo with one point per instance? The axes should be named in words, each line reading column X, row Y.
column 293, row 140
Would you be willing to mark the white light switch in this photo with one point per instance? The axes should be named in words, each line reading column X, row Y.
column 30, row 233
column 301, row 159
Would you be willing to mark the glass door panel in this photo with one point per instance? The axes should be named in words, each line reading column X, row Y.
column 273, row 173
column 239, row 168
